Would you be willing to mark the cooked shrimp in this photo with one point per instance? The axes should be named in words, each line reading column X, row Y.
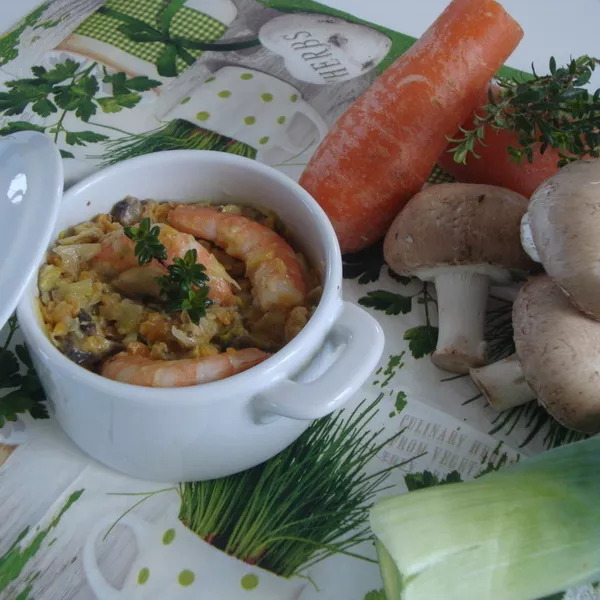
column 117, row 256
column 271, row 264
column 140, row 370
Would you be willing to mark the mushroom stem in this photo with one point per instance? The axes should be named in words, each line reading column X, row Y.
column 462, row 299
column 503, row 384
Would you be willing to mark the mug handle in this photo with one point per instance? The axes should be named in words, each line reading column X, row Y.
column 95, row 579
column 308, row 111
column 363, row 339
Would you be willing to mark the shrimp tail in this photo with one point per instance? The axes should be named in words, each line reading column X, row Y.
column 141, row 370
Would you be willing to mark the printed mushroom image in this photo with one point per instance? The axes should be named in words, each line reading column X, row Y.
column 556, row 346
column 462, row 237
column 561, row 230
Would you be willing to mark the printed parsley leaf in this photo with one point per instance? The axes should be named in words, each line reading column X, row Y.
column 118, row 82
column 392, row 304
column 128, row 100
column 14, row 126
column 13, row 404
column 81, row 138
column 27, row 393
column 113, row 104
column 427, row 479
column 9, row 369
column 78, row 96
column 400, row 402
column 85, row 109
column 122, row 85
column 22, row 92
column 24, row 356
column 109, row 105
column 43, row 107
column 365, row 264
column 12, row 104
column 59, row 73
column 421, row 340
column 399, row 278
column 71, row 88
column 39, row 71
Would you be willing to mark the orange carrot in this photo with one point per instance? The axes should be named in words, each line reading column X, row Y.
column 494, row 165
column 381, row 150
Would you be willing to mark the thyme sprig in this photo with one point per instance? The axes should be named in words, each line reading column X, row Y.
column 147, row 245
column 184, row 287
column 553, row 110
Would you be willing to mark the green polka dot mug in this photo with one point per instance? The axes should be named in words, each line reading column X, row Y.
column 255, row 108
column 174, row 563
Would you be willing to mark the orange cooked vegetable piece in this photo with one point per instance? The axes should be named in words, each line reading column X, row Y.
column 381, row 150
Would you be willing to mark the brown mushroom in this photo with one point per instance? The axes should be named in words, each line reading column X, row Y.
column 128, row 211
column 561, row 230
column 462, row 237
column 557, row 348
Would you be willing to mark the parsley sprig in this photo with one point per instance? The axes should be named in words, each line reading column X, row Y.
column 184, row 288
column 553, row 110
column 26, row 392
column 147, row 244
column 185, row 285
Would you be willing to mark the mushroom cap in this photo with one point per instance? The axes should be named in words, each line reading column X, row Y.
column 558, row 348
column 564, row 218
column 458, row 224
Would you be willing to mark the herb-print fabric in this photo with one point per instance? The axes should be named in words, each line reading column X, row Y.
column 71, row 529
column 188, row 22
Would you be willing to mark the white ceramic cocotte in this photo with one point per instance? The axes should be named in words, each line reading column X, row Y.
column 215, row 429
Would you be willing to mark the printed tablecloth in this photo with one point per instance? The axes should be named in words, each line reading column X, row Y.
column 264, row 79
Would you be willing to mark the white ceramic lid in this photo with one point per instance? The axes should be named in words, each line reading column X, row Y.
column 31, row 185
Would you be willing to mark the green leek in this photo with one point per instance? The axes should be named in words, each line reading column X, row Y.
column 521, row 533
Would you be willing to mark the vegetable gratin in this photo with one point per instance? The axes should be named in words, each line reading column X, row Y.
column 169, row 295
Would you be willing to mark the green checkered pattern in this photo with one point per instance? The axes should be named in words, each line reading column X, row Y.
column 188, row 23
column 438, row 175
